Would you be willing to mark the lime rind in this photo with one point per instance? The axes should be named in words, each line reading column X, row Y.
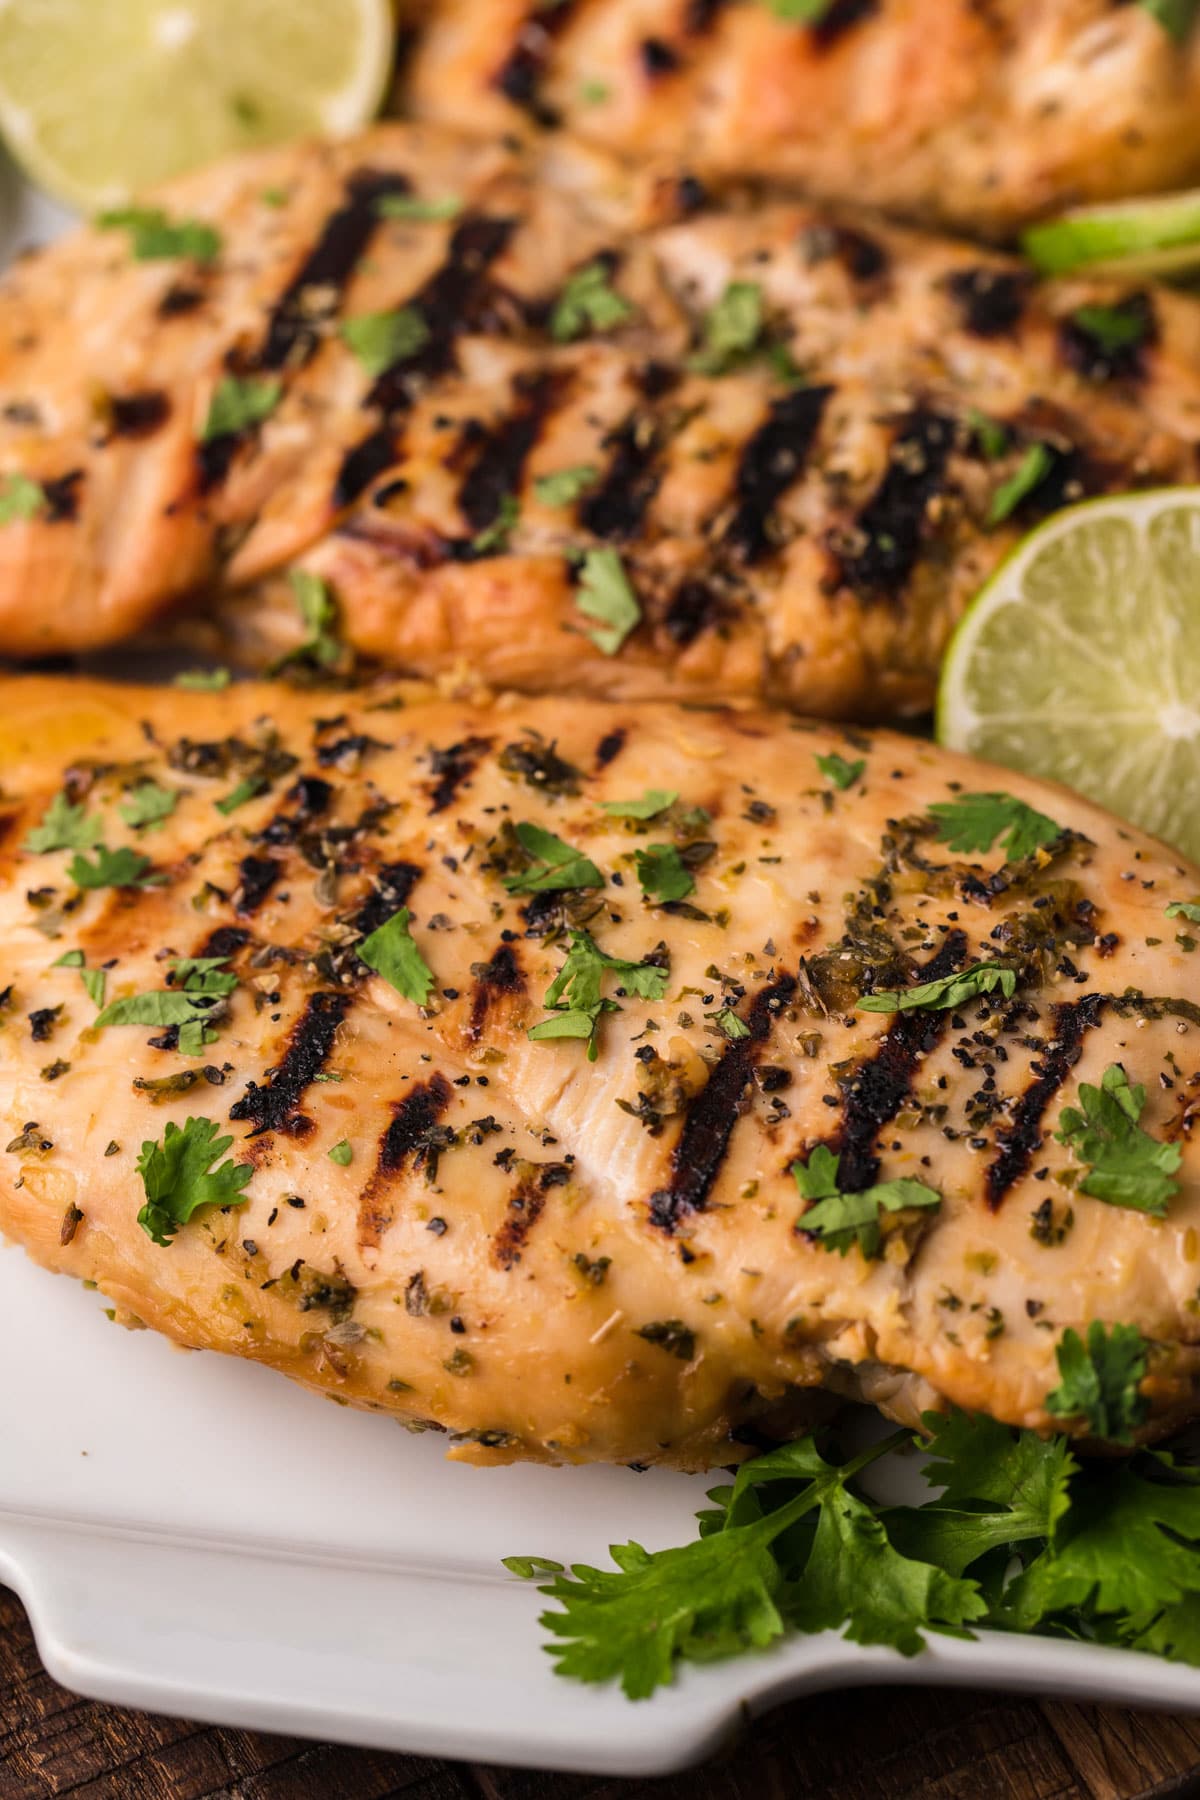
column 1154, row 236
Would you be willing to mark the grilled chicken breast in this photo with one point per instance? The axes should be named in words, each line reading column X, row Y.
column 586, row 1240
column 976, row 116
column 592, row 434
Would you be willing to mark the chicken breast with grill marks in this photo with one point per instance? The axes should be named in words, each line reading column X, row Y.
column 506, row 1025
column 799, row 440
column 949, row 111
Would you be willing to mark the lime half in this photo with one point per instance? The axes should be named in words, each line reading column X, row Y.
column 100, row 98
column 1080, row 660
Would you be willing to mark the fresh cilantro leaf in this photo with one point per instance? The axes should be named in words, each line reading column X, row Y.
column 593, row 93
column 342, row 1154
column 804, row 12
column 993, row 438
column 838, row 1221
column 494, row 537
column 94, row 980
column 123, row 868
column 556, row 865
column 20, row 497
column 274, row 196
column 1112, row 327
column 154, row 237
column 1029, row 475
column 1184, row 909
column 321, row 647
column 1177, row 17
column 973, row 822
column 528, row 1568
column 576, row 991
column 70, row 959
column 147, row 805
column 64, row 826
column 248, row 788
column 203, row 681
column 605, row 593
column 198, row 982
column 1125, row 1165
column 571, row 1023
column 732, row 328
column 422, row 212
column 662, row 874
column 194, row 1037
column 843, row 774
column 1101, row 1381
column 380, row 339
column 727, row 1020
column 179, row 1178
column 565, row 486
column 392, row 953
column 238, row 404
column 652, row 802
column 946, row 991
column 588, row 302
column 203, row 974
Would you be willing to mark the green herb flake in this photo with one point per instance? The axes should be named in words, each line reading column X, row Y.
column 556, row 865
column 342, row 1154
column 203, row 681
column 1112, row 328
column 64, row 826
column 732, row 329
column 392, row 952
column 801, row 12
column 198, row 983
column 417, row 211
column 1029, row 474
column 838, row 1221
column 154, row 237
column 528, row 1568
column 992, row 436
column 179, row 1177
column 248, row 788
column 20, row 497
column 321, row 646
column 605, row 593
column 973, row 822
column 662, row 874
column 843, row 774
column 565, row 486
column 380, row 339
column 147, row 806
column 576, row 991
column 1184, row 909
column 651, row 803
column 494, row 537
column 947, row 991
column 237, row 405
column 1177, row 17
column 123, row 868
column 588, row 302
column 729, row 1022
column 1125, row 1165
column 1100, row 1381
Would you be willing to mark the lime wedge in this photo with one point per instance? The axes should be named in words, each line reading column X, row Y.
column 100, row 98
column 1130, row 239
column 1080, row 660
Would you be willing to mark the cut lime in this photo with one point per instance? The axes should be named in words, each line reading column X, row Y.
column 1129, row 239
column 1080, row 660
column 99, row 99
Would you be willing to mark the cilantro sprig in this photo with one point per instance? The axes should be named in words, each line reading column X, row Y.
column 588, row 302
column 392, row 952
column 606, row 594
column 973, row 822
column 65, row 825
column 662, row 873
column 1125, row 1165
column 838, row 1221
column 575, row 995
column 553, row 864
column 947, row 991
column 154, row 237
column 179, row 1177
column 1101, row 1378
column 198, row 986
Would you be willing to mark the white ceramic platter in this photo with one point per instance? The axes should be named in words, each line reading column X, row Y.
column 196, row 1536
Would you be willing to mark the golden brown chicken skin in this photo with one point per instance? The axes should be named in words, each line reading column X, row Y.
column 583, row 1240
column 979, row 117
column 586, row 433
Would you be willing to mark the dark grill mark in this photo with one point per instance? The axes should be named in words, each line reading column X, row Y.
column 525, row 1208
column 523, row 70
column 615, row 509
column 273, row 1108
column 770, row 462
column 180, row 300
column 312, row 295
column 138, row 415
column 610, row 746
column 412, row 1120
column 257, row 875
column 214, row 459
column 61, row 496
column 224, row 942
column 658, row 57
column 875, row 1091
column 500, row 976
column 711, row 1116
column 499, row 463
column 1095, row 357
column 1069, row 477
column 990, row 301
column 448, row 303
column 362, row 464
column 694, row 607
column 451, row 767
column 394, row 882
column 700, row 16
column 1019, row 1141
column 863, row 258
column 889, row 527
column 839, row 18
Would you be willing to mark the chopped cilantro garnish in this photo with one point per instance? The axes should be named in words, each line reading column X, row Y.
column 588, row 302
column 238, row 404
column 1177, row 17
column 1184, row 909
column 148, row 806
column 203, row 681
column 728, row 1021
column 154, row 237
column 94, row 980
column 566, row 485
column 838, row 1221
column 605, row 593
column 123, row 868
column 992, row 436
column 20, row 497
column 179, row 1178
column 1112, row 328
column 1029, row 474
column 197, row 984
column 380, row 339
column 662, row 873
column 556, row 865
column 494, row 537
column 1125, row 1165
column 421, row 212
column 732, row 328
column 65, row 826
column 652, row 802
column 946, row 991
column 247, row 789
column 843, row 774
column 973, row 822
column 576, row 990
column 803, row 12
column 321, row 647
column 392, row 953
column 342, row 1154
column 1101, row 1380
column 593, row 92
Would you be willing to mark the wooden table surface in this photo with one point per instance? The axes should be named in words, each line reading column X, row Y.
column 863, row 1744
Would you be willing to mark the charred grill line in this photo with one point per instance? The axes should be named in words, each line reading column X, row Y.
column 360, row 465
column 225, row 941
column 710, row 1119
column 502, row 975
column 610, row 747
column 523, row 70
column 1018, row 1142
column 990, row 301
column 890, row 525
column 451, row 767
column 615, row 509
column 840, row 18
column 770, row 462
column 412, row 1119
column 138, row 415
column 695, row 605
column 394, row 882
column 257, row 875
column 525, row 1208
column 499, row 464
column 875, row 1091
column 60, row 497
column 272, row 1108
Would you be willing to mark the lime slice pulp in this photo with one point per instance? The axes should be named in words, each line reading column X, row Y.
column 1080, row 660
column 100, row 98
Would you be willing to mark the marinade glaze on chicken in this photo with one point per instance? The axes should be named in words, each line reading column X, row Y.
column 791, row 442
column 977, row 116
column 436, row 1214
